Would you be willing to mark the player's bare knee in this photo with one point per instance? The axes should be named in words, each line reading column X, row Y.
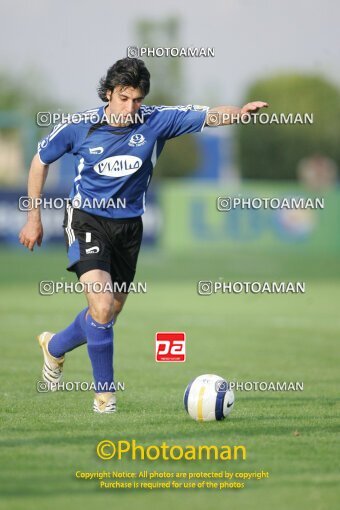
column 102, row 311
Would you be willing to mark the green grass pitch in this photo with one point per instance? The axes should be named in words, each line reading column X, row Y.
column 47, row 437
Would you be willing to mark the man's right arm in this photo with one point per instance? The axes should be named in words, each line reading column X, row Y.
column 32, row 232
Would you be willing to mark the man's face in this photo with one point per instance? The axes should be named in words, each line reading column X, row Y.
column 123, row 102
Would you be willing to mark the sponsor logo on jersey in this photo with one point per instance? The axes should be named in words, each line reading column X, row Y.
column 118, row 166
column 137, row 140
column 96, row 150
column 94, row 249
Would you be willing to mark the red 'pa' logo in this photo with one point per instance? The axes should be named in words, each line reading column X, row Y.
column 170, row 346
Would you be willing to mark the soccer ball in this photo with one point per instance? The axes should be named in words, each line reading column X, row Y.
column 208, row 398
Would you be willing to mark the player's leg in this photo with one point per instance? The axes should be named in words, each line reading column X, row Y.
column 104, row 308
column 99, row 333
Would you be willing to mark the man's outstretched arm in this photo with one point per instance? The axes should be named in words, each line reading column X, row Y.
column 225, row 115
column 32, row 231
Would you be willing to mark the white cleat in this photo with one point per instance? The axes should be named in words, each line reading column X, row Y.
column 52, row 371
column 104, row 403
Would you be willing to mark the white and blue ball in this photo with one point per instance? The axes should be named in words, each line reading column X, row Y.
column 208, row 398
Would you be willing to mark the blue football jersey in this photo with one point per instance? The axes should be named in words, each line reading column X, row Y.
column 114, row 165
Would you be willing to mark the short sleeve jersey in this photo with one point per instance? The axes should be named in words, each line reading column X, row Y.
column 114, row 165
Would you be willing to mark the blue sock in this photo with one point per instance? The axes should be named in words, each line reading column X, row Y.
column 69, row 338
column 100, row 349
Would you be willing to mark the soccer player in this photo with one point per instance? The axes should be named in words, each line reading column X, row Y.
column 114, row 159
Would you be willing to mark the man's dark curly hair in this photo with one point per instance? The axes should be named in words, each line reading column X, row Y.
column 127, row 72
